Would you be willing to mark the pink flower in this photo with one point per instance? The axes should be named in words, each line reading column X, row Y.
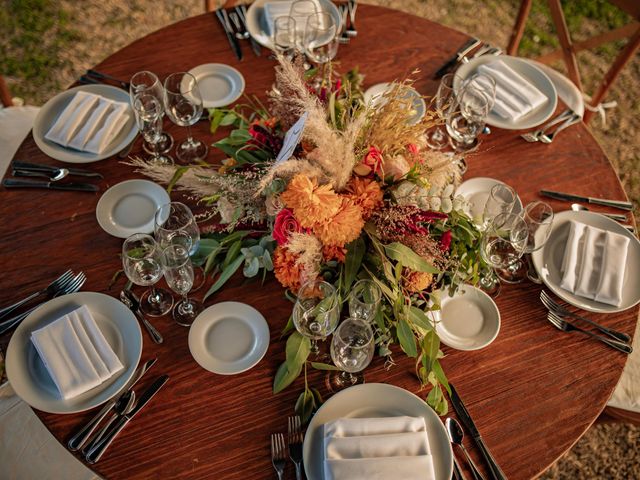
column 284, row 225
column 372, row 162
column 337, row 85
column 445, row 241
column 413, row 149
column 396, row 167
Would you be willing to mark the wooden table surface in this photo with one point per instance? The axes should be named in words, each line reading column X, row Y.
column 533, row 392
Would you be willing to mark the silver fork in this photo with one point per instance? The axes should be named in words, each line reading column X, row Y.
column 50, row 289
column 278, row 453
column 352, row 6
column 535, row 136
column 560, row 311
column 344, row 11
column 565, row 326
column 295, row 444
column 544, row 138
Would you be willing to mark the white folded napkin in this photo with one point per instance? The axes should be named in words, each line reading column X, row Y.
column 89, row 123
column 515, row 95
column 377, row 448
column 273, row 10
column 594, row 263
column 75, row 353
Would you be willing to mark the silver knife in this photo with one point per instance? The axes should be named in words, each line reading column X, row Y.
column 221, row 13
column 462, row 52
column 98, row 450
column 468, row 423
column 79, row 187
column 569, row 197
column 241, row 10
column 80, row 439
column 37, row 167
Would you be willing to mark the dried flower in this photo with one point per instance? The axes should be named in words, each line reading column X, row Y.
column 416, row 282
column 286, row 268
column 366, row 193
column 333, row 252
column 311, row 203
column 344, row 227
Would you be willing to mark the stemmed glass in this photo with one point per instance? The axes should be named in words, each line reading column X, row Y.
column 466, row 118
column 437, row 137
column 183, row 104
column 503, row 243
column 142, row 263
column 352, row 349
column 316, row 311
column 502, row 198
column 178, row 272
column 538, row 217
column 174, row 223
column 148, row 112
column 284, row 35
column 321, row 40
column 364, row 300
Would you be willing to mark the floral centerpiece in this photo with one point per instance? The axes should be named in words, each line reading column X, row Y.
column 361, row 196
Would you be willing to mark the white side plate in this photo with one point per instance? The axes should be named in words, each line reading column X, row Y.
column 476, row 191
column 220, row 85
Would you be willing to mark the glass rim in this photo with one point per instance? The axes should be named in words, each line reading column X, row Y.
column 137, row 237
column 352, row 320
column 366, row 281
column 170, row 205
column 182, row 261
column 180, row 90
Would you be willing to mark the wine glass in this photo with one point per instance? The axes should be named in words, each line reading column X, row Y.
column 364, row 300
column 466, row 118
column 148, row 112
column 502, row 198
column 321, row 40
column 316, row 311
column 178, row 271
column 538, row 217
column 503, row 244
column 142, row 263
column 437, row 137
column 147, row 82
column 284, row 35
column 174, row 223
column 183, row 104
column 352, row 349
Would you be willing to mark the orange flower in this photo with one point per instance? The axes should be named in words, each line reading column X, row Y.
column 344, row 227
column 285, row 268
column 333, row 252
column 311, row 203
column 366, row 193
column 416, row 281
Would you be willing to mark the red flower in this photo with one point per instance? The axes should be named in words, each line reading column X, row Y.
column 371, row 163
column 413, row 149
column 445, row 241
column 284, row 225
column 337, row 85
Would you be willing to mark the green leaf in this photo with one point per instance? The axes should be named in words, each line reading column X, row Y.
column 297, row 350
column 224, row 276
column 406, row 338
column 353, row 260
column 216, row 116
column 284, row 377
column 437, row 401
column 211, row 259
column 232, row 237
column 324, row 366
column 177, row 175
column 305, row 405
column 228, row 119
column 409, row 258
column 251, row 267
column 430, row 348
column 288, row 327
column 440, row 375
column 232, row 253
column 419, row 318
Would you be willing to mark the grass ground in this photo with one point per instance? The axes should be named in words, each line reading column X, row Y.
column 46, row 44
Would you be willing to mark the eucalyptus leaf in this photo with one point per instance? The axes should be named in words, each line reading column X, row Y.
column 410, row 259
column 224, row 276
column 305, row 405
column 232, row 253
column 228, row 119
column 324, row 366
column 297, row 350
column 251, row 267
column 216, row 116
column 353, row 260
column 177, row 175
column 440, row 375
column 420, row 318
column 211, row 258
column 406, row 338
column 266, row 261
column 285, row 377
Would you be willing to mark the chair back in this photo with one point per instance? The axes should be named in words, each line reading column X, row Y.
column 5, row 96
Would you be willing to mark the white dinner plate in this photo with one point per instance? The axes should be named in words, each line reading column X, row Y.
column 548, row 261
column 219, row 84
column 229, row 338
column 528, row 70
column 469, row 320
column 50, row 111
column 259, row 30
column 374, row 96
column 31, row 380
column 476, row 191
column 372, row 400
column 129, row 207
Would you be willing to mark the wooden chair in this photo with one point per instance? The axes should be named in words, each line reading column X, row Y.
column 5, row 96
column 568, row 49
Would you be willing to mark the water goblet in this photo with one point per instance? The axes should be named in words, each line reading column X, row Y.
column 466, row 117
column 437, row 137
column 316, row 311
column 284, row 36
column 142, row 264
column 148, row 113
column 148, row 83
column 352, row 349
column 503, row 244
column 538, row 217
column 321, row 41
column 502, row 198
column 364, row 300
column 183, row 104
column 175, row 223
column 178, row 272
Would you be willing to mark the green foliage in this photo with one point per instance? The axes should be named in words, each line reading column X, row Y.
column 297, row 352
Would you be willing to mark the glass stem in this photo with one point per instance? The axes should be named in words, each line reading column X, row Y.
column 314, row 346
column 154, row 297
column 186, row 306
column 189, row 136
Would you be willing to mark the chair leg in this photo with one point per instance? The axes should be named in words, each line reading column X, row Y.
column 518, row 28
column 565, row 42
column 5, row 95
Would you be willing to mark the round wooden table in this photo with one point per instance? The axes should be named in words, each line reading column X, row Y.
column 533, row 392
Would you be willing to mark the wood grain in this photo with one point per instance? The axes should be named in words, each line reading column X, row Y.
column 533, row 392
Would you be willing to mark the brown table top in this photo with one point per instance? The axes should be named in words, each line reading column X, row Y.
column 533, row 392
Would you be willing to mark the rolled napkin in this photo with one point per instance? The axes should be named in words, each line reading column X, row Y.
column 594, row 263
column 273, row 10
column 75, row 353
column 89, row 123
column 377, row 448
column 515, row 95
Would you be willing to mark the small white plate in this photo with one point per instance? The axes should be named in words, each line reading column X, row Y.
column 130, row 207
column 469, row 320
column 50, row 111
column 374, row 97
column 229, row 338
column 548, row 261
column 528, row 70
column 372, row 400
column 258, row 29
column 476, row 191
column 31, row 380
column 220, row 85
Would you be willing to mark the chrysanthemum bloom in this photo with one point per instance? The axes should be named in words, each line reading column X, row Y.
column 285, row 268
column 333, row 252
column 415, row 281
column 366, row 193
column 344, row 227
column 311, row 203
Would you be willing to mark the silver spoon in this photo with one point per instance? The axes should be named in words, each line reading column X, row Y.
column 124, row 405
column 241, row 33
column 59, row 174
column 456, row 435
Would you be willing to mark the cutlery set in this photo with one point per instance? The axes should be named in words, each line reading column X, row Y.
column 234, row 24
column 348, row 15
column 560, row 317
column 52, row 175
column 279, row 448
column 568, row 117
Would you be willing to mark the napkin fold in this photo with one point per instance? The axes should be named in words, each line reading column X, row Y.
column 273, row 10
column 594, row 263
column 377, row 448
column 89, row 123
column 75, row 353
column 515, row 95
